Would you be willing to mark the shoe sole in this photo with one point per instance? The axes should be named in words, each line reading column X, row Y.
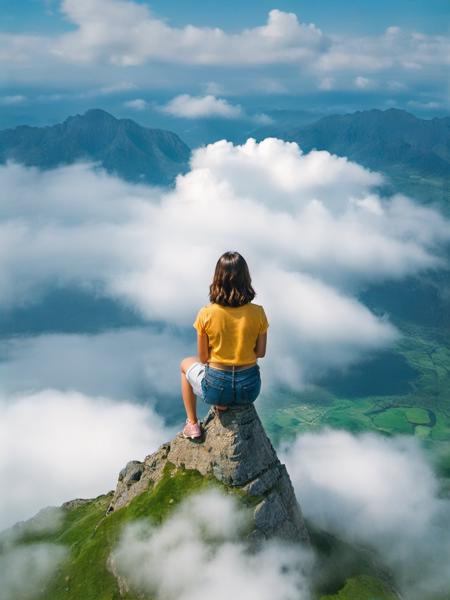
column 196, row 438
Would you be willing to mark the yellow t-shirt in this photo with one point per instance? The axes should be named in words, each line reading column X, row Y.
column 232, row 331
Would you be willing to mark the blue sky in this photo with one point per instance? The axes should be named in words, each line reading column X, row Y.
column 227, row 61
column 365, row 16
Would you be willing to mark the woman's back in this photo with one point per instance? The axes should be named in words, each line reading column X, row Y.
column 231, row 336
column 232, row 331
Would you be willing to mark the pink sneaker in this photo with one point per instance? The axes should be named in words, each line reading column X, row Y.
column 192, row 430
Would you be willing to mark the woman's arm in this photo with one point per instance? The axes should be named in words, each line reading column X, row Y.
column 203, row 347
column 260, row 347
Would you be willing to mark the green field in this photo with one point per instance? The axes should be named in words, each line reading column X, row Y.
column 411, row 398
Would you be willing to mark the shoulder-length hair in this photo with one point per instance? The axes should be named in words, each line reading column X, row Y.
column 232, row 284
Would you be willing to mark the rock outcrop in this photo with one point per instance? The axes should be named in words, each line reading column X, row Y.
column 237, row 452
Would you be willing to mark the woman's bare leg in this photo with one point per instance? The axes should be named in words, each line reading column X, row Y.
column 189, row 399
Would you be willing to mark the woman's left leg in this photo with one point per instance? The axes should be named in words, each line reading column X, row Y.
column 189, row 399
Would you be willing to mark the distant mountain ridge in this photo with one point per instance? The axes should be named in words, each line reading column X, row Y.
column 414, row 152
column 378, row 136
column 133, row 152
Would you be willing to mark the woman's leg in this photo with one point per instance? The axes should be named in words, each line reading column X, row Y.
column 189, row 399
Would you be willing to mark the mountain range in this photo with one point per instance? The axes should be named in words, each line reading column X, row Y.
column 121, row 146
column 413, row 152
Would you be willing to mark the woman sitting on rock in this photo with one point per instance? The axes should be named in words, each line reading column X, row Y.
column 232, row 335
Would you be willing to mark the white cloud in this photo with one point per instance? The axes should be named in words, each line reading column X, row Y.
column 106, row 90
column 363, row 83
column 126, row 33
column 431, row 105
column 109, row 37
column 48, row 520
column 24, row 570
column 57, row 446
column 200, row 541
column 310, row 224
column 197, row 107
column 141, row 363
column 395, row 49
column 214, row 88
column 194, row 107
column 136, row 104
column 12, row 100
column 262, row 119
column 379, row 492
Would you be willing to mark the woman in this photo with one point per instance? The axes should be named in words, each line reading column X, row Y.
column 232, row 335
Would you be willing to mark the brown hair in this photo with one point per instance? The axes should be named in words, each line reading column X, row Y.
column 232, row 284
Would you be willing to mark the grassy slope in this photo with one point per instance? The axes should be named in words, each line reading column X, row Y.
column 90, row 536
column 363, row 587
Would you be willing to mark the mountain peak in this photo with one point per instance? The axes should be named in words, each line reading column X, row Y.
column 99, row 112
column 121, row 146
column 237, row 452
column 95, row 114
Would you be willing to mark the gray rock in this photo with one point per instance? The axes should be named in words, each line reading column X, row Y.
column 236, row 450
column 73, row 504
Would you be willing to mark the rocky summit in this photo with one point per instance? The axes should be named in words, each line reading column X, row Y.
column 237, row 452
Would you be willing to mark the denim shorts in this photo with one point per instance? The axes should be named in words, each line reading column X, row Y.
column 217, row 386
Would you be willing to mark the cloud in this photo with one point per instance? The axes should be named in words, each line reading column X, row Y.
column 142, row 363
column 363, row 83
column 431, row 105
column 12, row 100
column 56, row 446
column 376, row 53
column 24, row 570
column 126, row 33
column 310, row 224
column 194, row 107
column 200, row 541
column 136, row 104
column 106, row 90
column 197, row 107
column 109, row 37
column 214, row 88
column 379, row 492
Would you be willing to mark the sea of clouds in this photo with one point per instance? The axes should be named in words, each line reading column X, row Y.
column 311, row 226
column 315, row 232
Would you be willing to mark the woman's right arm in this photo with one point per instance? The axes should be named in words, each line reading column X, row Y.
column 261, row 340
column 260, row 346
